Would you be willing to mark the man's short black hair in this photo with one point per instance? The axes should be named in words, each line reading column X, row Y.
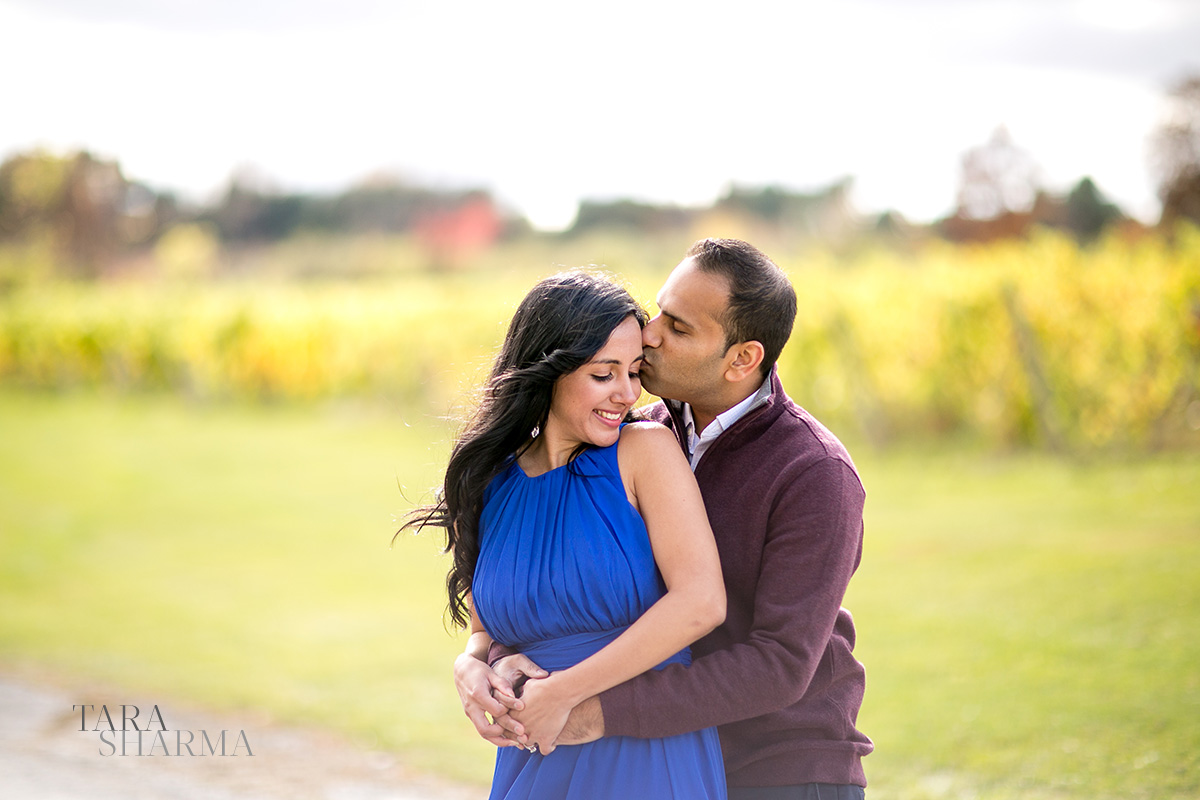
column 762, row 302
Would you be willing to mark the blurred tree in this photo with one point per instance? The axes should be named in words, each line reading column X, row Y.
column 825, row 213
column 382, row 203
column 999, row 194
column 31, row 193
column 82, row 203
column 95, row 204
column 253, row 210
column 1175, row 153
column 250, row 211
column 891, row 229
column 1089, row 212
column 629, row 215
column 997, row 178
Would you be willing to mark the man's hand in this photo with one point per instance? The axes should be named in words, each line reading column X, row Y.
column 483, row 692
column 585, row 724
column 516, row 669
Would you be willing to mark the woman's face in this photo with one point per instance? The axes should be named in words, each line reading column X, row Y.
column 587, row 405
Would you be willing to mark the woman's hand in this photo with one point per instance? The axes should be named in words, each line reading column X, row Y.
column 548, row 703
column 483, row 692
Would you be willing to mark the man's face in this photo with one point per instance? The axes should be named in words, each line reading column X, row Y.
column 684, row 346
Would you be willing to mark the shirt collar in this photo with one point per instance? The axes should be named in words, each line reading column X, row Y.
column 725, row 420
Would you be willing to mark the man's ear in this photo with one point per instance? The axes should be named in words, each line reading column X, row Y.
column 747, row 358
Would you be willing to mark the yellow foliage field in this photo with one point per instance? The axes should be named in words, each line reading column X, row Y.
column 1033, row 342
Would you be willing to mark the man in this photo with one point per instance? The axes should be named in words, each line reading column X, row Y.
column 778, row 677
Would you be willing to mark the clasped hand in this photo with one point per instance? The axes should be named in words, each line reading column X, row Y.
column 545, row 712
column 486, row 693
column 512, row 705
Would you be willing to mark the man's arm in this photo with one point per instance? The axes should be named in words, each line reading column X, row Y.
column 813, row 545
column 585, row 724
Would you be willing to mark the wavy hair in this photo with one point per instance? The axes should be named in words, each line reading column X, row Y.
column 559, row 326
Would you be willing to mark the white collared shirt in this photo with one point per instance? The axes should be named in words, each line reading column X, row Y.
column 698, row 445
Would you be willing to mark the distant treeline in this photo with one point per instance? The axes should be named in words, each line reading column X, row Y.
column 91, row 213
column 82, row 214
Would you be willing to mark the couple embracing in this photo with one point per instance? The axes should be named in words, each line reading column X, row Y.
column 591, row 549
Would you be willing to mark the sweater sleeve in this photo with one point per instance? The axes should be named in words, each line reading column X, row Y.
column 497, row 651
column 812, row 547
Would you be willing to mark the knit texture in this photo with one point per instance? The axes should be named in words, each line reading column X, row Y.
column 779, row 676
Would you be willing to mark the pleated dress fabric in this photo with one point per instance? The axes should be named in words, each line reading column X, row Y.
column 565, row 565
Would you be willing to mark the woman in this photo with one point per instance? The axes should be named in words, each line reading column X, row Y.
column 580, row 540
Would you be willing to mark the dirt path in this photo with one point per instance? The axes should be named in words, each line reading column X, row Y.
column 45, row 756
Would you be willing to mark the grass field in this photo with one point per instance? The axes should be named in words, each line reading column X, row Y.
column 1029, row 625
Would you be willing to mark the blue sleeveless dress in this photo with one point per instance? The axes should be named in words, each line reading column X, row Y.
column 565, row 565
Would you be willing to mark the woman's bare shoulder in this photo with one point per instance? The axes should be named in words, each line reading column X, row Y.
column 645, row 440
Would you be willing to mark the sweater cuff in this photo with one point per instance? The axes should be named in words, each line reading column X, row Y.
column 497, row 651
column 617, row 705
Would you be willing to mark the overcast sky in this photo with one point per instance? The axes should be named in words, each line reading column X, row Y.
column 545, row 103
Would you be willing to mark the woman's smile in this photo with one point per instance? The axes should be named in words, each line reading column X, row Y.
column 611, row 417
column 611, row 379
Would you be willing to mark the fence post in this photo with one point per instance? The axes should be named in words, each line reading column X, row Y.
column 864, row 395
column 1030, row 354
column 1174, row 418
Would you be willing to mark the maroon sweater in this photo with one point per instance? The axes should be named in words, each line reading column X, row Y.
column 778, row 677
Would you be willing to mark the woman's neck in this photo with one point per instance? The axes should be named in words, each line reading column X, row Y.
column 547, row 452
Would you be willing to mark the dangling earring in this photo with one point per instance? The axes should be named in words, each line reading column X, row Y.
column 536, row 430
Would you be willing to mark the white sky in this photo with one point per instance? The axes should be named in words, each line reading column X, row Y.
column 545, row 103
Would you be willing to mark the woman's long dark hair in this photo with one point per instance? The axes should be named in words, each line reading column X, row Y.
column 559, row 326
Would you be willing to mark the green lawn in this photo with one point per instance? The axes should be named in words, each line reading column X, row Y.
column 1029, row 625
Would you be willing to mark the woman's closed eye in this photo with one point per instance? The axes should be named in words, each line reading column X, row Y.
column 608, row 376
